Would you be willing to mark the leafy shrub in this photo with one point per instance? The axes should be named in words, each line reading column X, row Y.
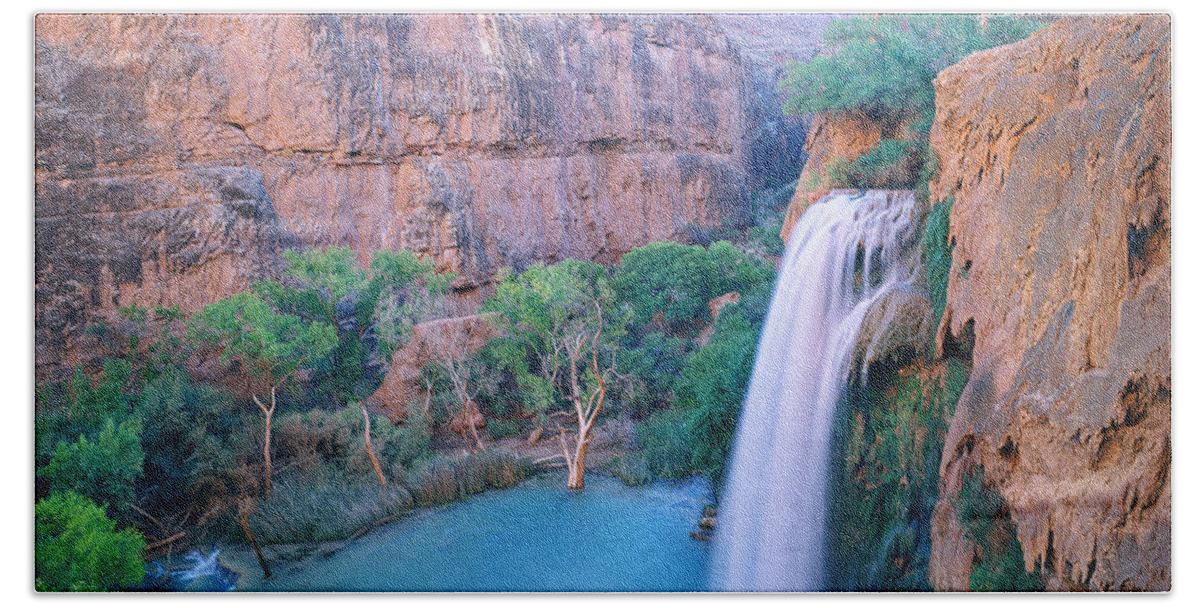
column 102, row 469
column 76, row 547
column 668, row 445
column 713, row 384
column 651, row 364
column 80, row 405
column 885, row 64
column 312, row 438
column 499, row 427
column 696, row 435
column 677, row 281
column 765, row 240
column 632, row 469
column 890, row 164
column 179, row 418
column 400, row 446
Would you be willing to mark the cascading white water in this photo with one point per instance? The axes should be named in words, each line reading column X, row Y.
column 846, row 251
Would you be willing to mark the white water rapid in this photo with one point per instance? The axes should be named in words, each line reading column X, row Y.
column 847, row 250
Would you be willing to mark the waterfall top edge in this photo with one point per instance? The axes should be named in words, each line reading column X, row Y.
column 854, row 193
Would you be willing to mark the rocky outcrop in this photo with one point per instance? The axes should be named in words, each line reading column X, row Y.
column 896, row 326
column 832, row 138
column 433, row 340
column 176, row 154
column 1057, row 151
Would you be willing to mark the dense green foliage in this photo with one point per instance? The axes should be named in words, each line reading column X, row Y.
column 549, row 317
column 102, row 469
column 885, row 64
column 696, row 435
column 372, row 312
column 76, row 547
column 269, row 346
column 193, row 437
column 80, row 405
column 884, row 479
column 651, row 364
column 891, row 164
column 983, row 513
column 669, row 287
column 669, row 284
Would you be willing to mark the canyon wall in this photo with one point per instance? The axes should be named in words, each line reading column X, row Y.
column 1057, row 152
column 176, row 155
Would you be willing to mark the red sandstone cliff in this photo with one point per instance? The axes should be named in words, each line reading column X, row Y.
column 176, row 154
column 1057, row 151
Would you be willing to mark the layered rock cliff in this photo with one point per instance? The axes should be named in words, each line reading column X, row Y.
column 1057, row 152
column 176, row 155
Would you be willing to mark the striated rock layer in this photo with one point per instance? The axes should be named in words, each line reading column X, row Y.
column 1057, row 151
column 176, row 154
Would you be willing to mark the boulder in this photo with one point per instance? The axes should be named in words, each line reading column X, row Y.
column 402, row 386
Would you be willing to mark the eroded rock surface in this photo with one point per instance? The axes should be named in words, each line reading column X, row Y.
column 1057, row 151
column 177, row 154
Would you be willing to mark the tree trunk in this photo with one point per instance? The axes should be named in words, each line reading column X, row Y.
column 262, row 562
column 268, row 412
column 371, row 450
column 471, row 424
column 577, row 465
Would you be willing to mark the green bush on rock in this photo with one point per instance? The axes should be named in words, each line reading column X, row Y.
column 884, row 66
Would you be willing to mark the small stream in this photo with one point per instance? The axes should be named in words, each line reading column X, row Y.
column 537, row 536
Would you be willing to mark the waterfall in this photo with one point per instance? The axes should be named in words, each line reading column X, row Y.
column 847, row 250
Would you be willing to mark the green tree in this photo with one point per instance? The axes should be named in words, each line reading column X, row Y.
column 76, row 547
column 320, row 285
column 269, row 346
column 677, row 281
column 566, row 319
column 403, row 291
column 102, row 469
column 325, row 284
column 884, row 65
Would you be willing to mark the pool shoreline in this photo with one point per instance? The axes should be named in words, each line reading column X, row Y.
column 672, row 506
